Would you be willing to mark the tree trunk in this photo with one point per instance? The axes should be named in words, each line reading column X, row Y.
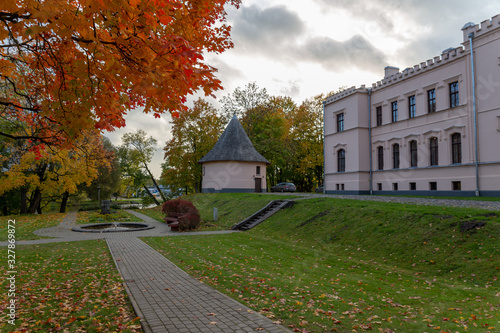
column 24, row 198
column 154, row 182
column 64, row 202
column 151, row 195
column 35, row 201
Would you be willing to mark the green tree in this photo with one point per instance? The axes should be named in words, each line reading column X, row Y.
column 268, row 127
column 109, row 179
column 194, row 133
column 135, row 155
column 306, row 137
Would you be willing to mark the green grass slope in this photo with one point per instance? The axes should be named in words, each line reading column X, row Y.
column 429, row 239
column 342, row 265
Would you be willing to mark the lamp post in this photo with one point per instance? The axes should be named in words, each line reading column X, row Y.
column 98, row 194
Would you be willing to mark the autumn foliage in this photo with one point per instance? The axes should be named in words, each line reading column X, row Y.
column 72, row 66
column 187, row 214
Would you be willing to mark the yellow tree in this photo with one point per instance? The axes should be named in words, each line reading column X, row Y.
column 54, row 171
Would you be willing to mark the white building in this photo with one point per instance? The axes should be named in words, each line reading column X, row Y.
column 427, row 130
column 233, row 165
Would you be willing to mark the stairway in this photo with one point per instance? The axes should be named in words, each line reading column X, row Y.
column 261, row 215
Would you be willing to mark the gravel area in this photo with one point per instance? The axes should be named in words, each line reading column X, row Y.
column 489, row 205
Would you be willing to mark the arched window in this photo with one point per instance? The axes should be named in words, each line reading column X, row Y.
column 395, row 156
column 380, row 153
column 341, row 160
column 413, row 153
column 433, row 151
column 456, row 148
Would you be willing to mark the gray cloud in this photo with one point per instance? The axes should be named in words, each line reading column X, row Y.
column 275, row 31
column 335, row 55
column 439, row 17
column 265, row 29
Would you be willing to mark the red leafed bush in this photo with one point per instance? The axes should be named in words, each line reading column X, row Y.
column 189, row 221
column 185, row 211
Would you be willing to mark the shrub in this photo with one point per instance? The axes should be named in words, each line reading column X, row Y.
column 170, row 207
column 189, row 221
column 185, row 211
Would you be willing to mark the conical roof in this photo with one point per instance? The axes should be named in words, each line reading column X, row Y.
column 234, row 145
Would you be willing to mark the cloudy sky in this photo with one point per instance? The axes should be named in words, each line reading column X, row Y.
column 303, row 48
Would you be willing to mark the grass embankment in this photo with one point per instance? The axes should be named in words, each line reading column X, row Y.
column 231, row 208
column 67, row 287
column 343, row 265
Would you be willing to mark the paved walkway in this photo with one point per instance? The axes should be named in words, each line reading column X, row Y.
column 172, row 301
column 165, row 297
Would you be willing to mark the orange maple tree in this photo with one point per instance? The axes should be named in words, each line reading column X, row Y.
column 69, row 66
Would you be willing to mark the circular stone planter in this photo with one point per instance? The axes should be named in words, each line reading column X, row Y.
column 112, row 227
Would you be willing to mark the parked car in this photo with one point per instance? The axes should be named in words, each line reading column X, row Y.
column 283, row 187
column 319, row 189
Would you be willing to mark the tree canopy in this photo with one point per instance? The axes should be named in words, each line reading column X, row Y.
column 72, row 66
column 194, row 134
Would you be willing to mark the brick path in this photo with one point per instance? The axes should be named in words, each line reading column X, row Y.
column 169, row 300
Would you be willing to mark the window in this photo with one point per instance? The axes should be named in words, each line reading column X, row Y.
column 433, row 150
column 431, row 100
column 338, row 187
column 395, row 156
column 380, row 153
column 456, row 186
column 340, row 122
column 394, row 186
column 411, row 107
column 394, row 111
column 413, row 186
column 433, row 186
column 257, row 171
column 342, row 187
column 379, row 186
column 379, row 115
column 341, row 160
column 456, row 148
column 454, row 100
column 413, row 153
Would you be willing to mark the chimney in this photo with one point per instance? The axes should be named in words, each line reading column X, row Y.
column 389, row 71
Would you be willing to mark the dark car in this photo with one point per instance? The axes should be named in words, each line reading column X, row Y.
column 319, row 189
column 283, row 187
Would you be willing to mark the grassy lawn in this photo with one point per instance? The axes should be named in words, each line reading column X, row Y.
column 342, row 265
column 86, row 217
column 232, row 208
column 26, row 224
column 68, row 287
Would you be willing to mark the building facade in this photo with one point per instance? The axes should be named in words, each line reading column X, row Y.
column 233, row 165
column 433, row 129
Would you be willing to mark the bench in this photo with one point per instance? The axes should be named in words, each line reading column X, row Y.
column 169, row 220
column 173, row 221
column 174, row 226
